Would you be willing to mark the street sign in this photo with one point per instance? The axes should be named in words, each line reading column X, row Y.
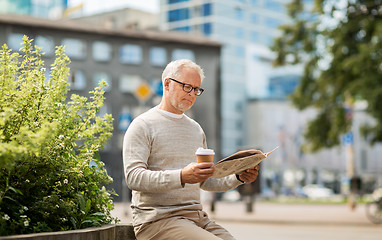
column 348, row 138
column 143, row 91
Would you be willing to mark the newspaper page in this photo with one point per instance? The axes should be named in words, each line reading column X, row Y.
column 239, row 162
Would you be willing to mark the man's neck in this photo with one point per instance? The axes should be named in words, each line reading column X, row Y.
column 165, row 107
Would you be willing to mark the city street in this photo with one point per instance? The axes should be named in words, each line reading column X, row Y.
column 269, row 231
column 271, row 221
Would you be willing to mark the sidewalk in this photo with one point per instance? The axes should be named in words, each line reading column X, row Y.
column 274, row 213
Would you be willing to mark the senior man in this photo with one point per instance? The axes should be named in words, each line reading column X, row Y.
column 160, row 164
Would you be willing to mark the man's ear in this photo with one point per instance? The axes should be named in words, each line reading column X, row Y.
column 166, row 83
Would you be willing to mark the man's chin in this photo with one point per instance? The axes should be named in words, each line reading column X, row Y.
column 184, row 107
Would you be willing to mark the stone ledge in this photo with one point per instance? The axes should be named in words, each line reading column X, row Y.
column 106, row 232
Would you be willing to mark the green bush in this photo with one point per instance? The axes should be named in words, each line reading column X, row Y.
column 51, row 177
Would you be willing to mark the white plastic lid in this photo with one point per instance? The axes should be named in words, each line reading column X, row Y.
column 204, row 151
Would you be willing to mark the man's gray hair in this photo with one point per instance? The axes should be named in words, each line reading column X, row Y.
column 174, row 68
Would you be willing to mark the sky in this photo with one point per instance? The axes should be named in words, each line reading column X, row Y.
column 97, row 6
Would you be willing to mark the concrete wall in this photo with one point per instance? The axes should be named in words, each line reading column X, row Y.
column 107, row 232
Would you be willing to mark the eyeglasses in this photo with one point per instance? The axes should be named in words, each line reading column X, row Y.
column 188, row 88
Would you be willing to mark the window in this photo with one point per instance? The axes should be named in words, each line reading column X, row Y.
column 239, row 33
column 102, row 76
column 274, row 6
column 207, row 29
column 101, row 51
column 158, row 56
column 254, row 18
column 77, row 80
column 240, row 51
column 206, row 9
column 15, row 40
column 130, row 53
column 183, row 29
column 254, row 2
column 129, row 83
column 239, row 13
column 272, row 22
column 46, row 44
column 176, row 1
column 74, row 48
column 183, row 54
column 255, row 37
column 178, row 14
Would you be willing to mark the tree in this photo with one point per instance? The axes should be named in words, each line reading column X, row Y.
column 340, row 45
column 51, row 177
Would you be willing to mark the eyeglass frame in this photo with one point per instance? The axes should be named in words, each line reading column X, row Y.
column 198, row 91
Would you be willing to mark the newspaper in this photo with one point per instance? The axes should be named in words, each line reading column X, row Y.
column 238, row 162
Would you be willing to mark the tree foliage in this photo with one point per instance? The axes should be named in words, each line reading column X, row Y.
column 51, row 177
column 340, row 45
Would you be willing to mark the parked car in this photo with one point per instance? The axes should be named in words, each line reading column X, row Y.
column 315, row 191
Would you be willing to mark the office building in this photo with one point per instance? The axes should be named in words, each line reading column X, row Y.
column 52, row 9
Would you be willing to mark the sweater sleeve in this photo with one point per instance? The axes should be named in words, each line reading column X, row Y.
column 221, row 184
column 136, row 150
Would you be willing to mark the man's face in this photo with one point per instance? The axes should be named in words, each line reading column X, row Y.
column 179, row 100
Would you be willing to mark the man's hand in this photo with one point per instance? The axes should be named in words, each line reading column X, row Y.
column 197, row 172
column 249, row 175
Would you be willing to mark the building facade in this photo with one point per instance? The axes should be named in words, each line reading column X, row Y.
column 121, row 19
column 131, row 62
column 52, row 9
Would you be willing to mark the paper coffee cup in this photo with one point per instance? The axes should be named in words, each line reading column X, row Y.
column 204, row 155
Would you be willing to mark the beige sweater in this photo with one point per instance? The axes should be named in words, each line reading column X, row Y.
column 155, row 149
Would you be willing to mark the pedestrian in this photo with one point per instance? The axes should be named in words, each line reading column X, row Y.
column 160, row 164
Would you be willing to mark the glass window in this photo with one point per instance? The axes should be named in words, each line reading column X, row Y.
column 254, row 18
column 183, row 29
column 176, row 1
column 206, row 9
column 240, row 51
column 183, row 54
column 240, row 33
column 239, row 13
column 158, row 56
column 102, row 76
column 207, row 28
column 272, row 22
column 254, row 2
column 77, row 80
column 101, row 51
column 129, row 83
column 255, row 37
column 15, row 40
column 46, row 43
column 274, row 6
column 178, row 14
column 130, row 53
column 75, row 48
